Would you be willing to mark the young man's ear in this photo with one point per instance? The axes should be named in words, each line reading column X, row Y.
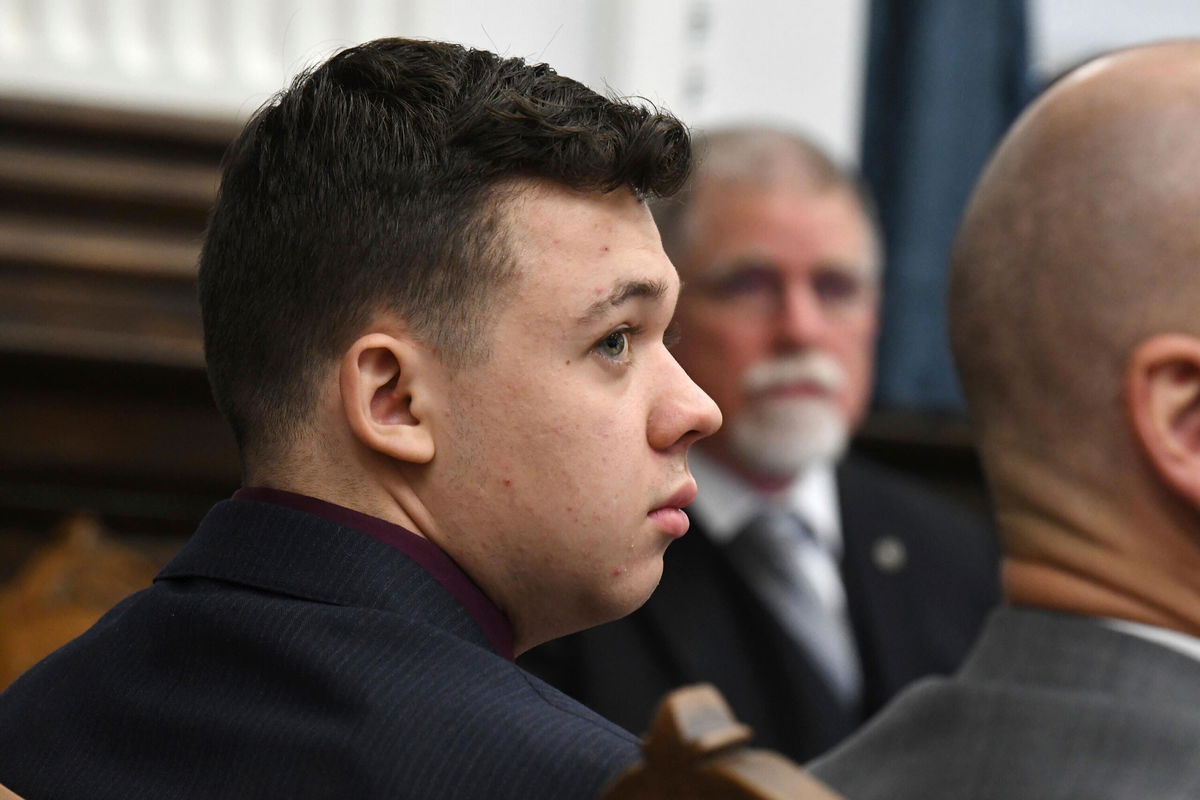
column 383, row 387
column 1162, row 398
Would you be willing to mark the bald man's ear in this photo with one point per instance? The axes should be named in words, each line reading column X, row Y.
column 383, row 386
column 1162, row 397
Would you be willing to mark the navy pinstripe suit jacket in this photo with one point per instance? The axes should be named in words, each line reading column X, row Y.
column 280, row 655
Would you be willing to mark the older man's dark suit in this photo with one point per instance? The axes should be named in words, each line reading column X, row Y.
column 283, row 656
column 704, row 623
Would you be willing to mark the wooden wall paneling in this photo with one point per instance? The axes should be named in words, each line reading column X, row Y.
column 103, row 401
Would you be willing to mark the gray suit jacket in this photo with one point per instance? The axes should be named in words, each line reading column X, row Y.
column 1047, row 706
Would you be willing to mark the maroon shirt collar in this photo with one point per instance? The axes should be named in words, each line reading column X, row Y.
column 433, row 559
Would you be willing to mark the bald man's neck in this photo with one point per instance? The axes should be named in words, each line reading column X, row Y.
column 1126, row 551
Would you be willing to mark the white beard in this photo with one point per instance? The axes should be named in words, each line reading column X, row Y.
column 781, row 436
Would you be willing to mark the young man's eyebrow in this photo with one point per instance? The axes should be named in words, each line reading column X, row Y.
column 622, row 293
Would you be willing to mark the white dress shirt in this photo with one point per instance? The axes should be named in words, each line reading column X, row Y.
column 1175, row 640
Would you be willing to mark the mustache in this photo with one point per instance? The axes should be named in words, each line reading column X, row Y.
column 814, row 367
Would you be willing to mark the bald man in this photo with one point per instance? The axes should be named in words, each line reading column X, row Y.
column 1073, row 304
column 812, row 587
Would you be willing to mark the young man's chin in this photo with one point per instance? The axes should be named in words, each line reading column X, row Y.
column 630, row 591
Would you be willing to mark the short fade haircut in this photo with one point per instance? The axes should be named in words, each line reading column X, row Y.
column 757, row 155
column 375, row 184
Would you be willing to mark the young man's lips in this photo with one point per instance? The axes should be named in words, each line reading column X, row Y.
column 669, row 516
column 672, row 521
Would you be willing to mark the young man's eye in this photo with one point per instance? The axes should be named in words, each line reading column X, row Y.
column 615, row 345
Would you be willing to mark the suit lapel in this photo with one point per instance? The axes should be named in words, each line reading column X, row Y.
column 691, row 600
column 873, row 571
column 714, row 629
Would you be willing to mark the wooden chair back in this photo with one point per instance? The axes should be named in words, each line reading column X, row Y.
column 695, row 749
column 63, row 589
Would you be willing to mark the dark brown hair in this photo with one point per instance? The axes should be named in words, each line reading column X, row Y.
column 373, row 183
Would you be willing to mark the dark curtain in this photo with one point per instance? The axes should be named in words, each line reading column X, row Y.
column 945, row 78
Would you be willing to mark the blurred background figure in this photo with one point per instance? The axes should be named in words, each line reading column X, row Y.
column 810, row 589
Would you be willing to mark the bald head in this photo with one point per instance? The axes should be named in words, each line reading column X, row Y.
column 1079, row 242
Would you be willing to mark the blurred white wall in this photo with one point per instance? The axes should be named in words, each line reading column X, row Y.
column 792, row 61
column 797, row 62
column 1065, row 32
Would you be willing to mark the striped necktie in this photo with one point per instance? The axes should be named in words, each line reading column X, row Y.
column 786, row 565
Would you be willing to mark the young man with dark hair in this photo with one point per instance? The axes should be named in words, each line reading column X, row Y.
column 434, row 308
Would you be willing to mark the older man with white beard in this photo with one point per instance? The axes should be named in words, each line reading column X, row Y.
column 813, row 586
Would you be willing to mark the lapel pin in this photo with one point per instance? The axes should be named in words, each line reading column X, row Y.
column 889, row 554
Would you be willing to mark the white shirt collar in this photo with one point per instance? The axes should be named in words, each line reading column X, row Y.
column 726, row 502
column 1176, row 640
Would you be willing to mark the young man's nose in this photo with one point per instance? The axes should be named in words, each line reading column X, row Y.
column 684, row 413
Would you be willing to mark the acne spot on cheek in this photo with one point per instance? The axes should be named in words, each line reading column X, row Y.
column 507, row 481
column 618, row 572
